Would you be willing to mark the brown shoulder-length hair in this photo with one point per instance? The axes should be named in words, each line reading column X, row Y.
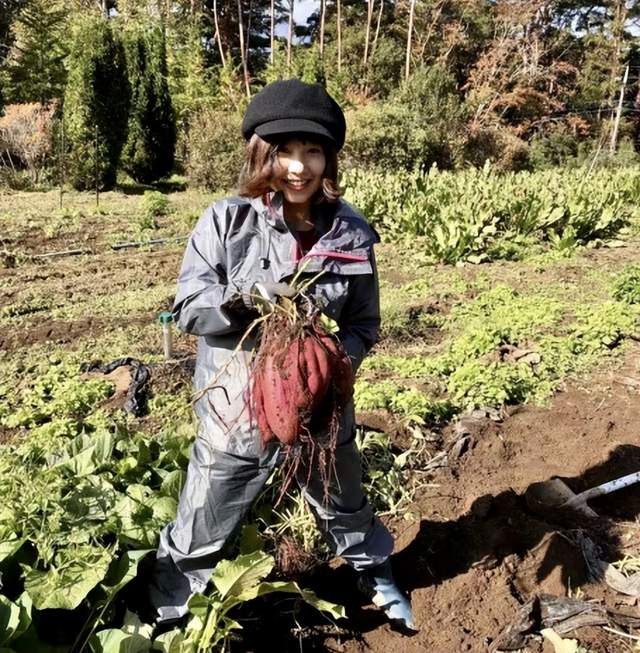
column 257, row 171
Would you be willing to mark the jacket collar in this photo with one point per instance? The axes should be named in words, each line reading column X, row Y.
column 337, row 224
column 269, row 207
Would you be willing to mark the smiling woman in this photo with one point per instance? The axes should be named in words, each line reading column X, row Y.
column 284, row 162
column 246, row 253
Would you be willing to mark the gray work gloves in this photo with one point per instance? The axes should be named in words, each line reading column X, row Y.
column 243, row 308
column 265, row 293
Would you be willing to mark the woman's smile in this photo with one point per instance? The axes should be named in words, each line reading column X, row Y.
column 297, row 184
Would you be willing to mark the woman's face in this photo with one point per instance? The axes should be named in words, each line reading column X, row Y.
column 298, row 171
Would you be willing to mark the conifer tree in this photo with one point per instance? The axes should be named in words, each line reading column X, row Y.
column 95, row 104
column 148, row 154
column 34, row 71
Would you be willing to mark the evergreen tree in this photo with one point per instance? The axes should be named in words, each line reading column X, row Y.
column 34, row 71
column 95, row 104
column 149, row 150
column 8, row 9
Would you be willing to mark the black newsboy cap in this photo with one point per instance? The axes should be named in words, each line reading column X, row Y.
column 291, row 106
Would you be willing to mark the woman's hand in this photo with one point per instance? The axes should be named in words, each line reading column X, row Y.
column 265, row 293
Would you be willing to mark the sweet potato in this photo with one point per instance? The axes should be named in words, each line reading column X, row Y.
column 342, row 377
column 260, row 417
column 301, row 380
column 281, row 383
column 318, row 370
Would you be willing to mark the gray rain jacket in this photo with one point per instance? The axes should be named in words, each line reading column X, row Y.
column 238, row 242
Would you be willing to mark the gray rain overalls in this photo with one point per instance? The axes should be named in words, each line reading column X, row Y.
column 236, row 243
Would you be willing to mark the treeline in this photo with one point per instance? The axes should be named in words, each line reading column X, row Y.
column 154, row 86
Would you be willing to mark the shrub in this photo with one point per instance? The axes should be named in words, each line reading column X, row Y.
column 215, row 149
column 95, row 105
column 418, row 126
column 504, row 150
column 385, row 67
column 154, row 205
column 553, row 148
column 26, row 135
column 626, row 287
column 148, row 153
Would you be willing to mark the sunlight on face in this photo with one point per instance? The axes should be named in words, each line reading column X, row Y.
column 299, row 167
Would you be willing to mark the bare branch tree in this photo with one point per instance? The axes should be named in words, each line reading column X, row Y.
column 273, row 31
column 245, row 70
column 367, row 35
column 323, row 15
column 290, row 37
column 246, row 50
column 339, row 30
column 375, row 37
column 218, row 37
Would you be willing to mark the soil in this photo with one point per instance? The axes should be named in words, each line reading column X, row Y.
column 476, row 553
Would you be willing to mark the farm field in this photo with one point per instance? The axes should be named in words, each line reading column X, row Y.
column 488, row 378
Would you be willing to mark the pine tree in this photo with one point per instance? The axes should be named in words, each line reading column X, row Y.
column 34, row 71
column 148, row 154
column 95, row 104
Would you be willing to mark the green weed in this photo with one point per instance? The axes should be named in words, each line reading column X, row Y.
column 467, row 215
column 154, row 205
column 626, row 286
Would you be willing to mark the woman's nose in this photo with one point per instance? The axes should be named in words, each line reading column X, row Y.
column 296, row 166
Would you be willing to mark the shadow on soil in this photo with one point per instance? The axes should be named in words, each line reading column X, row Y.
column 495, row 530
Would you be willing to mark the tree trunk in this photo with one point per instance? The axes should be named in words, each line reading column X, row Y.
column 246, row 50
column 375, row 36
column 617, row 33
column 217, row 36
column 245, row 71
column 407, row 64
column 616, row 122
column 323, row 13
column 339, row 30
column 290, row 38
column 272, row 34
column 367, row 34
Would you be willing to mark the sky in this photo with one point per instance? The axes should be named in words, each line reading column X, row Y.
column 301, row 11
column 303, row 8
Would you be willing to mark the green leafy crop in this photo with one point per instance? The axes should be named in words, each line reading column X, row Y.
column 470, row 215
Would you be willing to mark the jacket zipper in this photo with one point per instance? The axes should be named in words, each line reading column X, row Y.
column 342, row 256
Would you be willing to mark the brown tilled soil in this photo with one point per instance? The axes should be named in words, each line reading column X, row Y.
column 476, row 553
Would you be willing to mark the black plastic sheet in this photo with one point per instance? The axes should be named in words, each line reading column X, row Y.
column 138, row 392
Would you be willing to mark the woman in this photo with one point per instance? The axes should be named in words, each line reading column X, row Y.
column 239, row 256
